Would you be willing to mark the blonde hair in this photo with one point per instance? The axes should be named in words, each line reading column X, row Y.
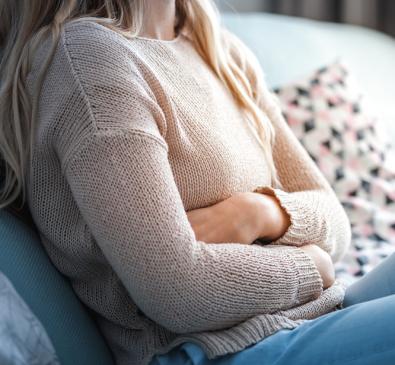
column 24, row 25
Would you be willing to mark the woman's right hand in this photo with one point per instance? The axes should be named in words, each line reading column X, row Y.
column 323, row 262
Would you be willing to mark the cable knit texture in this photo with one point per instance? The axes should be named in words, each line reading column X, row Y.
column 130, row 135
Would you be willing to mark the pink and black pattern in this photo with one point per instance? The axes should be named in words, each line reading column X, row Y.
column 343, row 141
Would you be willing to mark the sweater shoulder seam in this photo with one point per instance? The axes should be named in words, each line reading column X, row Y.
column 77, row 78
column 108, row 132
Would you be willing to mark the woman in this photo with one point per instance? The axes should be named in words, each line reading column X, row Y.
column 166, row 184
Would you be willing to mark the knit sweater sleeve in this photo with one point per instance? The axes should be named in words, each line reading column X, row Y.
column 122, row 182
column 316, row 214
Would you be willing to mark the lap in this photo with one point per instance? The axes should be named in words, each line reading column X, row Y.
column 362, row 333
column 377, row 283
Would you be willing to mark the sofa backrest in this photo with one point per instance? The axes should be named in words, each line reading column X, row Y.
column 68, row 323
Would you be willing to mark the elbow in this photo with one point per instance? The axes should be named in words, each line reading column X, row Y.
column 338, row 232
column 342, row 238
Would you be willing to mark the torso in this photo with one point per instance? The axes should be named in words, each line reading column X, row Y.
column 206, row 131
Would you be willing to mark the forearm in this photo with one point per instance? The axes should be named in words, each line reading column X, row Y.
column 227, row 283
column 316, row 217
column 272, row 220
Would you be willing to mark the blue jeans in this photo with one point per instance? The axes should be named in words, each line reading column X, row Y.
column 362, row 333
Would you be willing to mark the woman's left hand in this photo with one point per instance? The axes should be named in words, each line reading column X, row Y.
column 242, row 218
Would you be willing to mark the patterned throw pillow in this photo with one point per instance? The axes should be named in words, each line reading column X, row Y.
column 327, row 118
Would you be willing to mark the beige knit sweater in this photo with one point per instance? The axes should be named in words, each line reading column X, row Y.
column 130, row 135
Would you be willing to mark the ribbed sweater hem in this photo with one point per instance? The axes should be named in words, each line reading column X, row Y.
column 219, row 343
column 257, row 328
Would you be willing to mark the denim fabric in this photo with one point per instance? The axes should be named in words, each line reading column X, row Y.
column 362, row 333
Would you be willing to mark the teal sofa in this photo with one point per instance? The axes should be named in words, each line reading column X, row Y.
column 287, row 49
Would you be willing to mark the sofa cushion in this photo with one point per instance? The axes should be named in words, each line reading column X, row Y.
column 49, row 295
column 23, row 339
column 289, row 47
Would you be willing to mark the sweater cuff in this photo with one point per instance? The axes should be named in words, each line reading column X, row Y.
column 310, row 284
column 310, row 281
column 305, row 226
